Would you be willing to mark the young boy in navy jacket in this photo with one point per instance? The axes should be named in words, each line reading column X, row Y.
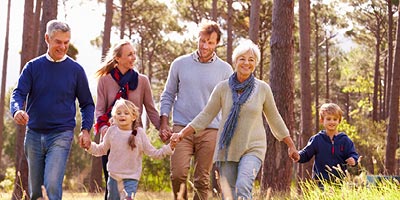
column 330, row 147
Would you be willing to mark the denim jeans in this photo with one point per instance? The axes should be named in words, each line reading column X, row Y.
column 237, row 178
column 130, row 187
column 47, row 155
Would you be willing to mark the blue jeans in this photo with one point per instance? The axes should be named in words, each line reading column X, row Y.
column 130, row 187
column 47, row 155
column 237, row 178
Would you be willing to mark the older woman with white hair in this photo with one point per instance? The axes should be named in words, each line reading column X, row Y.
column 242, row 100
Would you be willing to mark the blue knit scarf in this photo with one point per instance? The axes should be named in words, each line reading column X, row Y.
column 238, row 99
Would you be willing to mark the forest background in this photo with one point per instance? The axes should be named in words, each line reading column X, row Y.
column 306, row 58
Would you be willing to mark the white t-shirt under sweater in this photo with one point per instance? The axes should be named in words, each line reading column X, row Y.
column 123, row 162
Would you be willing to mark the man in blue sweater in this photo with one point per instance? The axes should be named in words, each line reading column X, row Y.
column 49, row 86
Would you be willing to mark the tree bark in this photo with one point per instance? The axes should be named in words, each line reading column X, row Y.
column 107, row 28
column 392, row 139
column 4, row 78
column 229, row 48
column 305, row 169
column 27, row 53
column 254, row 20
column 316, row 43
column 49, row 13
column 277, row 165
column 389, row 70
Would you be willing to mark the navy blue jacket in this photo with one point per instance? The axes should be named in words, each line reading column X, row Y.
column 328, row 153
column 49, row 90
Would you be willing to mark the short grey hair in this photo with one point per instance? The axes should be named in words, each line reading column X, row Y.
column 244, row 46
column 57, row 25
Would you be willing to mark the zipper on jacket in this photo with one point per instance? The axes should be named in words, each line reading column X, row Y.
column 333, row 147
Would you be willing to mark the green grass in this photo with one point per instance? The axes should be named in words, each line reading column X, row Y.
column 355, row 189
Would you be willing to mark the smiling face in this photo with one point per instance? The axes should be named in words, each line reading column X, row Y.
column 330, row 123
column 245, row 65
column 123, row 118
column 206, row 45
column 127, row 58
column 58, row 43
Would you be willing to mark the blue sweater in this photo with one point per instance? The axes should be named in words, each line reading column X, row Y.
column 328, row 153
column 50, row 90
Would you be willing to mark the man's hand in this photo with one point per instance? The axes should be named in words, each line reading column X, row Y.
column 21, row 117
column 165, row 130
column 84, row 139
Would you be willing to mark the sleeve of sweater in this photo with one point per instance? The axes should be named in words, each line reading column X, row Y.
column 352, row 150
column 101, row 101
column 308, row 151
column 102, row 148
column 85, row 100
column 274, row 119
column 18, row 96
column 150, row 150
column 212, row 108
column 149, row 104
column 171, row 88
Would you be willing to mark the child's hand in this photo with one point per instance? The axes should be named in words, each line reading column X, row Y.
column 293, row 154
column 176, row 137
column 350, row 161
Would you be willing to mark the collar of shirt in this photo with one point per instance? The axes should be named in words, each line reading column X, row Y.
column 52, row 60
column 196, row 57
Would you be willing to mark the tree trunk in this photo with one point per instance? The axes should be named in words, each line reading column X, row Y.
column 49, row 13
column 316, row 69
column 96, row 179
column 388, row 77
column 277, row 165
column 36, row 27
column 27, row 53
column 4, row 78
column 214, row 10
column 254, row 20
column 123, row 19
column 392, row 139
column 107, row 28
column 229, row 49
column 326, row 66
column 305, row 76
column 375, row 106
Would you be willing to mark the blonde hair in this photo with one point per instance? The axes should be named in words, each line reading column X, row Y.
column 330, row 109
column 110, row 62
column 244, row 46
column 133, row 112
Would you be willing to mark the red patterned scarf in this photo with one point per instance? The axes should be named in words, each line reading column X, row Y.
column 126, row 82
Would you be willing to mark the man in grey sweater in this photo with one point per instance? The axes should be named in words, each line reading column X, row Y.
column 192, row 78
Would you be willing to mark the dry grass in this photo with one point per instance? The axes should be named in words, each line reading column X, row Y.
column 100, row 196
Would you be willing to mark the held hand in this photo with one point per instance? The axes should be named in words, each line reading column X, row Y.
column 165, row 134
column 350, row 161
column 84, row 139
column 293, row 154
column 21, row 117
column 176, row 137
